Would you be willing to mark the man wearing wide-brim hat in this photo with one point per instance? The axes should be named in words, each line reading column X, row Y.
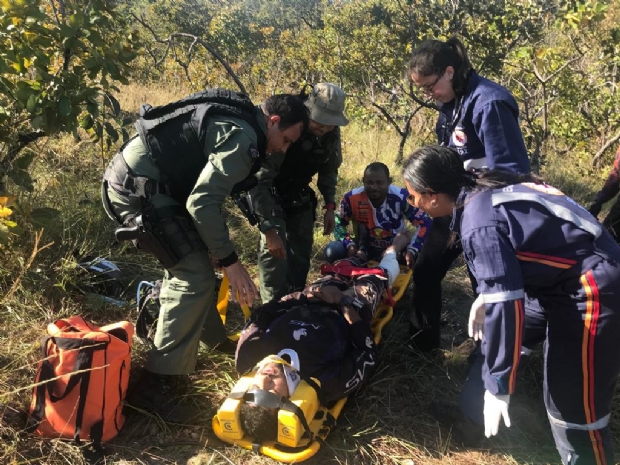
column 285, row 202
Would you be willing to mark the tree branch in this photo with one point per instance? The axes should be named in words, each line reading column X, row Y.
column 607, row 144
column 22, row 141
column 170, row 42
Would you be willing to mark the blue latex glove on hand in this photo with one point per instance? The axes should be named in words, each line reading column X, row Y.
column 495, row 407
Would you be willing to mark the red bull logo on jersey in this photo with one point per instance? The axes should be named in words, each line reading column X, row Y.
column 380, row 233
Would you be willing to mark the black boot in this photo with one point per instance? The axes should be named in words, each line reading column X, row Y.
column 227, row 347
column 161, row 395
column 424, row 340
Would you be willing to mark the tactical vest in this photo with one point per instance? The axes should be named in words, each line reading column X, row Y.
column 175, row 135
column 303, row 160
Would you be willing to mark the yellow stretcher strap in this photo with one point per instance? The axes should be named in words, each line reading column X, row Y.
column 223, row 296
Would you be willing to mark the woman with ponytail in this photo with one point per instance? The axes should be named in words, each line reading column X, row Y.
column 480, row 120
column 522, row 238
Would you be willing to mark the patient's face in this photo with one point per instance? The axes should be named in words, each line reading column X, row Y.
column 271, row 378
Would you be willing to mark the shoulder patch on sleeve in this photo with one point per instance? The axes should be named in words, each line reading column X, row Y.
column 253, row 151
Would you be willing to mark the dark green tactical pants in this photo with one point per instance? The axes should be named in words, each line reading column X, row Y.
column 279, row 277
column 187, row 314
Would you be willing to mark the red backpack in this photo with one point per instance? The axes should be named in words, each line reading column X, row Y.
column 82, row 380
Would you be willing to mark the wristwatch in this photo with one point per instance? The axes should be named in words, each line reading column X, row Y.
column 347, row 301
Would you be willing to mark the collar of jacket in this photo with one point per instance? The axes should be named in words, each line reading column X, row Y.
column 457, row 211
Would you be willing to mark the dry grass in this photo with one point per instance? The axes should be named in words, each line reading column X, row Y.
column 387, row 423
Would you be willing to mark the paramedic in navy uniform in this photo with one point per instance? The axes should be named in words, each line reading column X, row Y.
column 479, row 119
column 523, row 238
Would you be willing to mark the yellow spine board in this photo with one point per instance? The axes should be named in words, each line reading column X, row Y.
column 321, row 420
column 290, row 428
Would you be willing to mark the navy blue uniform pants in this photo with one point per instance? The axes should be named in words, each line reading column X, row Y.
column 580, row 326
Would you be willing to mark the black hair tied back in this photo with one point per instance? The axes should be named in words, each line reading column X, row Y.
column 470, row 179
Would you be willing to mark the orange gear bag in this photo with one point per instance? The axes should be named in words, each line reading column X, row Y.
column 82, row 380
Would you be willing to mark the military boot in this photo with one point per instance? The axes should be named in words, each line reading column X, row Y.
column 161, row 395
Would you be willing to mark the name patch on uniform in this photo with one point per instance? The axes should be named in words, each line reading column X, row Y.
column 253, row 151
column 459, row 138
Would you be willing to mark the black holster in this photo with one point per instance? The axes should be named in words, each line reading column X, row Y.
column 298, row 200
column 244, row 203
column 165, row 233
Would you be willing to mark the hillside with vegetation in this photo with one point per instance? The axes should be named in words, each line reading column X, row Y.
column 73, row 74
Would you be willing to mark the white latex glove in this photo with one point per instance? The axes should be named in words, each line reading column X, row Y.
column 476, row 319
column 495, row 407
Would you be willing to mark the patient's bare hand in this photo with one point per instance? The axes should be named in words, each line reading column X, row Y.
column 328, row 294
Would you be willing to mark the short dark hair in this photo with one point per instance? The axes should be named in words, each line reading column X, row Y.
column 378, row 166
column 432, row 57
column 290, row 108
column 259, row 422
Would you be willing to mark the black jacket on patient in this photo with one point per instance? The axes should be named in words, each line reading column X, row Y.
column 315, row 338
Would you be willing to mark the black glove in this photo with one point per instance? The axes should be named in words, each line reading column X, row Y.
column 595, row 209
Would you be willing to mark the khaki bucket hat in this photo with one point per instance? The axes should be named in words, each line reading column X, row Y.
column 326, row 104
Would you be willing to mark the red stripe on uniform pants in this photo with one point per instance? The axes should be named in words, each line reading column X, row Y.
column 587, row 361
column 517, row 348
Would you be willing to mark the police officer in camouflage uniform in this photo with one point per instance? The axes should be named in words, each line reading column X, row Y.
column 286, row 204
column 167, row 186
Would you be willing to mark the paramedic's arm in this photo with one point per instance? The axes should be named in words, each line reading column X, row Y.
column 497, row 126
column 421, row 223
column 493, row 262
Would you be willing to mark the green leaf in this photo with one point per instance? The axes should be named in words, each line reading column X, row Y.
column 31, row 105
column 112, row 103
column 64, row 107
column 38, row 122
column 76, row 20
column 113, row 133
column 5, row 235
column 23, row 93
column 23, row 162
column 44, row 216
column 86, row 121
column 95, row 38
column 22, row 179
column 91, row 63
column 93, row 109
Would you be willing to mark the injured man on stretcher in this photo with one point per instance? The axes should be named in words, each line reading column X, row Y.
column 321, row 335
